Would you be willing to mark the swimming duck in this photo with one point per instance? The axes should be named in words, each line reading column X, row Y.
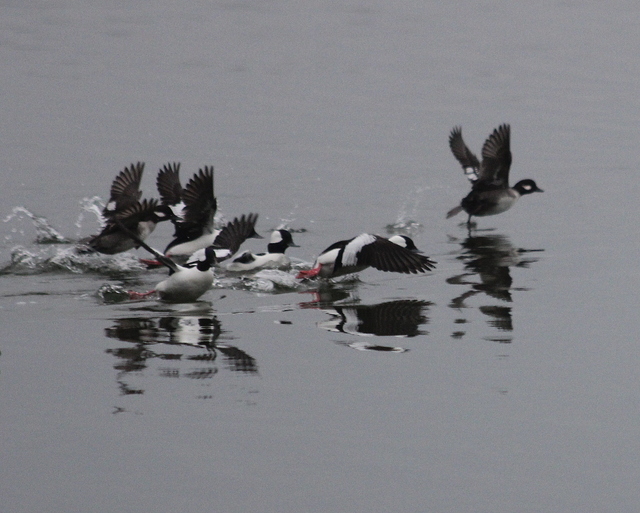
column 490, row 192
column 274, row 258
column 367, row 250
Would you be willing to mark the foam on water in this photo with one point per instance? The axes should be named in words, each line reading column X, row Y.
column 29, row 261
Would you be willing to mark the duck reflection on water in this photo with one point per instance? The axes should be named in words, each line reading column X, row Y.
column 487, row 261
column 176, row 339
column 396, row 318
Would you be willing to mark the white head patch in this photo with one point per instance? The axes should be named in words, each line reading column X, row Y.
column 276, row 237
column 399, row 240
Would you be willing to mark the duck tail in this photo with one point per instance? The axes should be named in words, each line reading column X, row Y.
column 454, row 211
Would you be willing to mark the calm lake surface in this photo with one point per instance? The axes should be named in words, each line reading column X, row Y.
column 506, row 380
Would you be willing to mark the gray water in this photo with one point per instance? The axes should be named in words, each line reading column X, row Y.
column 506, row 380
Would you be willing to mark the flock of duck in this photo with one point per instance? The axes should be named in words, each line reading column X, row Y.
column 197, row 246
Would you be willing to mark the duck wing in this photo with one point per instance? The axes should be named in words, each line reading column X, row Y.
column 168, row 183
column 236, row 232
column 385, row 255
column 496, row 159
column 125, row 189
column 200, row 206
column 469, row 162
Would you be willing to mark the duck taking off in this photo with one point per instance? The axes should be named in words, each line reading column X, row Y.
column 367, row 250
column 490, row 192
column 124, row 205
column 186, row 283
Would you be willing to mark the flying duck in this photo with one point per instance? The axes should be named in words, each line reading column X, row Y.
column 194, row 227
column 490, row 192
column 367, row 250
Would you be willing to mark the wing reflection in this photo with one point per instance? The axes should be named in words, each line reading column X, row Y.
column 177, row 342
column 399, row 318
column 487, row 261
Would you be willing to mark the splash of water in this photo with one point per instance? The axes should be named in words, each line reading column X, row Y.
column 405, row 224
column 94, row 206
column 25, row 261
column 112, row 293
column 45, row 233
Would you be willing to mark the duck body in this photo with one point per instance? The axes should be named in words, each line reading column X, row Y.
column 274, row 258
column 124, row 207
column 367, row 250
column 187, row 284
column 490, row 192
column 248, row 261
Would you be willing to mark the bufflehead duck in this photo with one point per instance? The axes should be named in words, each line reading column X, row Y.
column 366, row 250
column 194, row 228
column 274, row 258
column 185, row 283
column 141, row 218
column 230, row 238
column 490, row 192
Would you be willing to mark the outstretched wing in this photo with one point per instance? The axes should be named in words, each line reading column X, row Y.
column 496, row 158
column 463, row 154
column 236, row 232
column 125, row 189
column 168, row 183
column 199, row 199
column 385, row 255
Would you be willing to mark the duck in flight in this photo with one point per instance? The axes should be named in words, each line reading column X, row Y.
column 490, row 192
column 195, row 209
column 194, row 222
column 124, row 208
column 367, row 250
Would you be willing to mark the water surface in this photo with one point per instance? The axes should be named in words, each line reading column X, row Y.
column 506, row 380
